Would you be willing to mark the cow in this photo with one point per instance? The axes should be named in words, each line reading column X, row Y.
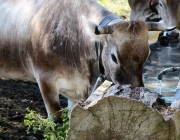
column 143, row 10
column 52, row 42
column 169, row 10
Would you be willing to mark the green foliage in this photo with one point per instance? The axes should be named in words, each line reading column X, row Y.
column 51, row 130
column 120, row 7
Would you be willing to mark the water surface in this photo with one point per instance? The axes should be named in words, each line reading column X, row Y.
column 162, row 57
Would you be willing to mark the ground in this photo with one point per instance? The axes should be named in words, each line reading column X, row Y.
column 15, row 97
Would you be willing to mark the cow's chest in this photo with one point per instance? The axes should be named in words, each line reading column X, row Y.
column 76, row 88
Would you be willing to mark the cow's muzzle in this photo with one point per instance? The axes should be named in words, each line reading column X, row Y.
column 173, row 35
column 166, row 37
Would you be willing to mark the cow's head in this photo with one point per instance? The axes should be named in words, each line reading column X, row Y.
column 169, row 11
column 143, row 10
column 125, row 48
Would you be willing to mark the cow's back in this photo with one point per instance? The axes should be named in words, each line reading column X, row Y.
column 15, row 36
column 15, row 20
column 41, row 35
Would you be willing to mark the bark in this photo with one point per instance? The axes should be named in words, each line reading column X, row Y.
column 123, row 113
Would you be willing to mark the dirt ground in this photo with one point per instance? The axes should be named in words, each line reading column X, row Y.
column 15, row 97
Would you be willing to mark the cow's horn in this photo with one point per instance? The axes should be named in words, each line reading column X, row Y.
column 170, row 28
column 156, row 26
column 103, row 29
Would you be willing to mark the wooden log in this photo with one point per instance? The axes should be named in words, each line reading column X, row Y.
column 176, row 100
column 123, row 113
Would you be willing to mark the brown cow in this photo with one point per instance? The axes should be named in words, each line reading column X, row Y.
column 51, row 42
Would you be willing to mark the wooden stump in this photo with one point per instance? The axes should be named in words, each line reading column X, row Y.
column 122, row 113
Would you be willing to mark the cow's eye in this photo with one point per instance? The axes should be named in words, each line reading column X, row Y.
column 114, row 58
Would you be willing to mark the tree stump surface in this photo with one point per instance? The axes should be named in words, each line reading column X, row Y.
column 122, row 113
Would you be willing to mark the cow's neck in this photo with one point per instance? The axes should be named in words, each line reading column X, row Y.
column 93, row 11
column 108, row 19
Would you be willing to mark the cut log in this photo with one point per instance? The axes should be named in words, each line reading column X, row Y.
column 176, row 99
column 123, row 113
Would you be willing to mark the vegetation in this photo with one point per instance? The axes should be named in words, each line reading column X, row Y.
column 50, row 130
column 120, row 7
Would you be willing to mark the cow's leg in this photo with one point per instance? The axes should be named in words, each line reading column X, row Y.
column 51, row 98
column 70, row 104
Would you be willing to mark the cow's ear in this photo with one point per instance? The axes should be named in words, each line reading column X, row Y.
column 90, row 29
